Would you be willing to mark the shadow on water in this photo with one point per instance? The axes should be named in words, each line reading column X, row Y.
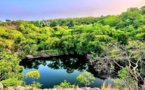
column 54, row 70
column 69, row 63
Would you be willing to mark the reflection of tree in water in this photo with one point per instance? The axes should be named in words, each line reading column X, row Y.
column 69, row 63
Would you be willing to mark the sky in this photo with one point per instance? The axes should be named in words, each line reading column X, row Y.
column 50, row 9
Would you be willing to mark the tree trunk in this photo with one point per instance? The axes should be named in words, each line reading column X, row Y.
column 134, row 75
column 143, row 86
column 136, row 85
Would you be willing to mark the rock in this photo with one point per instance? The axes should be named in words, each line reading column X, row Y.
column 36, row 89
column 95, row 89
column 59, row 89
column 98, row 89
column 11, row 88
column 48, row 89
column 87, row 88
column 18, row 87
column 1, row 86
column 44, row 56
column 21, row 88
column 29, row 56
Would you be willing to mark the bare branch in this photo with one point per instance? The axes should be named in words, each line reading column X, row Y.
column 117, row 63
column 136, row 65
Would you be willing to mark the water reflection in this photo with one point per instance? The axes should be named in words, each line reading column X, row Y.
column 69, row 63
column 54, row 70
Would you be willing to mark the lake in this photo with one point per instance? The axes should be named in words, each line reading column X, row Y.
column 55, row 70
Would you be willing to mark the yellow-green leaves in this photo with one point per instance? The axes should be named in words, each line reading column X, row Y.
column 33, row 74
column 86, row 78
column 64, row 84
column 10, row 69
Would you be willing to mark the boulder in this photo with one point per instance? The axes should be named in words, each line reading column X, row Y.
column 21, row 88
column 88, row 88
column 29, row 56
column 95, row 88
column 44, row 56
column 98, row 88
column 1, row 86
column 36, row 89
column 11, row 88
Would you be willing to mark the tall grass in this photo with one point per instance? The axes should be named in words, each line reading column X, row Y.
column 108, row 87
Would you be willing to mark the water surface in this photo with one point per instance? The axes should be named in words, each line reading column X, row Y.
column 55, row 70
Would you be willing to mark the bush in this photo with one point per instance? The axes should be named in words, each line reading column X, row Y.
column 65, row 84
column 12, row 82
column 86, row 78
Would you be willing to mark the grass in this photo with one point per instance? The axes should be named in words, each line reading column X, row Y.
column 108, row 87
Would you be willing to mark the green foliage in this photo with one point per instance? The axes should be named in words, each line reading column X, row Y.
column 110, row 20
column 86, row 78
column 65, row 84
column 124, row 79
column 33, row 74
column 69, row 36
column 36, row 84
column 10, row 69
column 33, row 85
column 13, row 82
column 72, row 35
column 129, row 58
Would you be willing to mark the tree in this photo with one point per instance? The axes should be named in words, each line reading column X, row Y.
column 10, row 69
column 110, row 20
column 34, row 75
column 12, row 82
column 86, row 78
column 131, row 16
column 128, row 58
column 124, row 79
column 8, row 20
column 65, row 84
column 143, row 10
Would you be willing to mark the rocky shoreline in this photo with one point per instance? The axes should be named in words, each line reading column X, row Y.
column 31, row 57
column 24, row 88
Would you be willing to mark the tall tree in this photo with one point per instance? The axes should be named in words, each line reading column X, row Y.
column 127, row 57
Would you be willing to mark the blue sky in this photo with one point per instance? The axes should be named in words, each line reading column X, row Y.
column 46, row 9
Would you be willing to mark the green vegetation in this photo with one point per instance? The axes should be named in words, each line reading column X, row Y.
column 10, row 69
column 83, row 36
column 125, row 77
column 65, row 84
column 86, row 78
column 118, row 39
column 34, row 75
column 128, row 58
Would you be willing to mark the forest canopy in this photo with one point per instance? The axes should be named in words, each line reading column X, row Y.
column 71, row 35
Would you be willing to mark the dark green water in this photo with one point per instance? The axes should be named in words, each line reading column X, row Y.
column 57, row 69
